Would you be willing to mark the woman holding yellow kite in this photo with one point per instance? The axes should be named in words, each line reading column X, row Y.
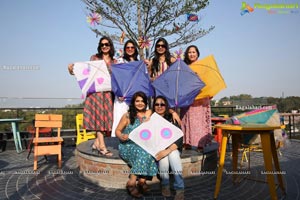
column 196, row 119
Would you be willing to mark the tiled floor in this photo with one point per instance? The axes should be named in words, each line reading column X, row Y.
column 18, row 182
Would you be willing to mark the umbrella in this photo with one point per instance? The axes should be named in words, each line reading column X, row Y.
column 179, row 84
column 129, row 78
column 208, row 71
column 92, row 76
column 155, row 134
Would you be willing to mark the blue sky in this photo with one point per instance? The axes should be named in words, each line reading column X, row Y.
column 258, row 53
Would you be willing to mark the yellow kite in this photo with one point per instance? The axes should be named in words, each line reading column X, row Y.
column 209, row 73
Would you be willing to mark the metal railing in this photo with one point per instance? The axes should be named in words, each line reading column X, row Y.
column 292, row 120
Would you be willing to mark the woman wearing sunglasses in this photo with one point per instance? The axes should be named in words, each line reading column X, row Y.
column 120, row 106
column 162, row 59
column 130, row 51
column 160, row 62
column 98, row 106
column 169, row 157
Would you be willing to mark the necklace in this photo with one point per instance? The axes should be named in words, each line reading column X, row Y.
column 141, row 117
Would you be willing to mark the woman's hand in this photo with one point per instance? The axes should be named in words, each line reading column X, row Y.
column 176, row 118
column 146, row 61
column 124, row 137
column 162, row 154
column 121, row 98
column 71, row 68
column 148, row 115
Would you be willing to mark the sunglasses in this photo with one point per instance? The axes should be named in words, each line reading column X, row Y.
column 105, row 45
column 129, row 47
column 160, row 104
column 160, row 45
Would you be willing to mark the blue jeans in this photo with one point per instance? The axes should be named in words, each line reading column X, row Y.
column 173, row 160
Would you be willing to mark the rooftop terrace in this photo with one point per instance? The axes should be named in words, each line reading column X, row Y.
column 17, row 181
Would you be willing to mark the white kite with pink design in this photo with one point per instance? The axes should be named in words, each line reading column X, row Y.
column 156, row 134
column 92, row 76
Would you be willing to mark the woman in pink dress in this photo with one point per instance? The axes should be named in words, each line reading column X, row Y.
column 196, row 119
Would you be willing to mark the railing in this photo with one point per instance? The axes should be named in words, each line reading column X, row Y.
column 293, row 124
column 28, row 115
column 292, row 120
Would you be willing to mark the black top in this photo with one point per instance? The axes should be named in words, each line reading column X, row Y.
column 178, row 142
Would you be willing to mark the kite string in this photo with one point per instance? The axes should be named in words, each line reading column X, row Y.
column 90, row 79
column 177, row 82
column 132, row 80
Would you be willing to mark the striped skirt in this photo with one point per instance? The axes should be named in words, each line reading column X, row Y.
column 98, row 111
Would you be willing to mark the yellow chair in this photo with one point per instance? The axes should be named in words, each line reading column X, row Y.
column 47, row 145
column 82, row 135
column 247, row 149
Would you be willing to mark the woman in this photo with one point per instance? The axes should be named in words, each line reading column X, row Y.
column 196, row 119
column 162, row 59
column 131, row 52
column 120, row 106
column 169, row 157
column 98, row 107
column 160, row 63
column 142, row 163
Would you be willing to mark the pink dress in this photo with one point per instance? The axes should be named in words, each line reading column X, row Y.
column 196, row 123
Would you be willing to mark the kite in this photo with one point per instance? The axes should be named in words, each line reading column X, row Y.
column 179, row 54
column 179, row 84
column 267, row 115
column 129, row 78
column 156, row 134
column 93, row 19
column 192, row 17
column 209, row 72
column 92, row 76
column 144, row 42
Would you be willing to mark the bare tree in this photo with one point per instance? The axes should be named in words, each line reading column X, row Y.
column 149, row 18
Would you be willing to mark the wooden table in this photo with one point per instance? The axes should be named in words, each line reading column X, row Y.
column 269, row 153
column 16, row 132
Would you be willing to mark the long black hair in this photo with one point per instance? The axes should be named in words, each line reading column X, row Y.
column 186, row 56
column 132, row 109
column 155, row 60
column 111, row 51
column 135, row 55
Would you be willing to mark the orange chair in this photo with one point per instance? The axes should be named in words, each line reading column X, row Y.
column 47, row 145
column 46, row 132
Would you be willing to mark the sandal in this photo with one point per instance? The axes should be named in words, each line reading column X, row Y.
column 105, row 152
column 94, row 148
column 133, row 191
column 143, row 187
